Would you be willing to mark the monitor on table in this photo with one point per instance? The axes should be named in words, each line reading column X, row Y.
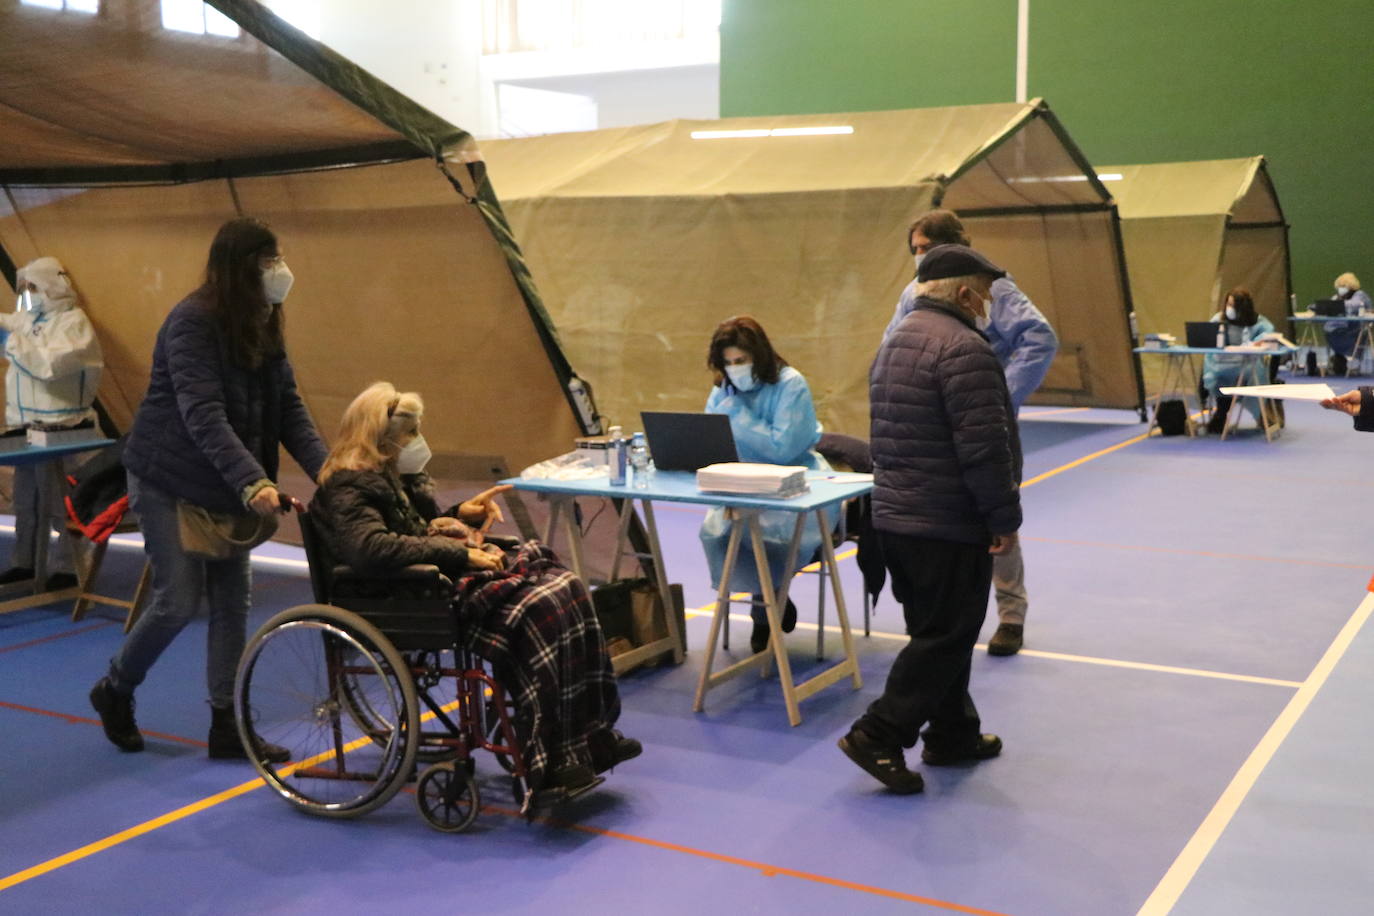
column 688, row 441
column 1201, row 333
column 1330, row 308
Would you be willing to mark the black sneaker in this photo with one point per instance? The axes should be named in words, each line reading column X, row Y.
column 117, row 716
column 758, row 638
column 609, row 747
column 1007, row 640
column 223, row 742
column 885, row 764
column 985, row 747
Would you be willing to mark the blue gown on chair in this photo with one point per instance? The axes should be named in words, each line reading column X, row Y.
column 772, row 424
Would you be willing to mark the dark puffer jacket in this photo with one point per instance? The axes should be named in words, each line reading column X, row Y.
column 376, row 524
column 946, row 454
column 207, row 428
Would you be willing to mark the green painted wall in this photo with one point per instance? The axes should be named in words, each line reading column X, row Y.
column 1133, row 82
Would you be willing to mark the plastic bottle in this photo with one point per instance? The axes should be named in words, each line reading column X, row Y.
column 615, row 456
column 639, row 460
column 1221, row 333
column 1135, row 332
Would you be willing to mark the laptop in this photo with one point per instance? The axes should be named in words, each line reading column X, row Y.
column 1201, row 333
column 688, row 441
column 1329, row 308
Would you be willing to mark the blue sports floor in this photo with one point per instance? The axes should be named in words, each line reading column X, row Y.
column 1186, row 731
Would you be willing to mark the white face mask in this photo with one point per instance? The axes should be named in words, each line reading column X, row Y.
column 33, row 300
column 1342, row 290
column 414, row 457
column 276, row 282
column 1230, row 313
column 917, row 259
column 742, row 376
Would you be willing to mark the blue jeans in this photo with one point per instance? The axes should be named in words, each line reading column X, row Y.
column 179, row 581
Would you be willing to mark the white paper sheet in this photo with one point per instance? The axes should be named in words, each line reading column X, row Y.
column 1317, row 392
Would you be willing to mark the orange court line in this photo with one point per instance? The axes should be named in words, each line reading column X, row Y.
column 34, row 642
column 770, row 871
column 83, row 720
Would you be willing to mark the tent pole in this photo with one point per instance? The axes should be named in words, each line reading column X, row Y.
column 1130, row 307
column 8, row 269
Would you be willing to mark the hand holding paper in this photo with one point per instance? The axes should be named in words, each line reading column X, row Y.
column 1348, row 402
column 1319, row 392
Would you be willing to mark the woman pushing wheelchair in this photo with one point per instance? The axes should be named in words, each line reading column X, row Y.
column 519, row 608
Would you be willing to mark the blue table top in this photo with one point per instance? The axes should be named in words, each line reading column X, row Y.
column 1365, row 318
column 681, row 487
column 33, row 454
column 1178, row 351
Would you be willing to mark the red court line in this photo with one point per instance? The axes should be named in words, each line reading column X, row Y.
column 34, row 642
column 83, row 720
column 770, row 871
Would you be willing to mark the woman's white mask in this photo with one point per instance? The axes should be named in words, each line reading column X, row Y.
column 1230, row 313
column 1342, row 290
column 414, row 457
column 742, row 376
column 276, row 282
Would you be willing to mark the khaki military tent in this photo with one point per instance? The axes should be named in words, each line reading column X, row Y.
column 643, row 238
column 1194, row 230
column 125, row 145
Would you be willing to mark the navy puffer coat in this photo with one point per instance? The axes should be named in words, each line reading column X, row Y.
column 946, row 454
column 207, row 427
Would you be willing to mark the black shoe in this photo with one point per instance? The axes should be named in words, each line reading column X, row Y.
column 60, row 581
column 985, row 747
column 15, row 574
column 573, row 778
column 885, row 764
column 758, row 639
column 1007, row 640
column 789, row 617
column 609, row 747
column 225, row 744
column 116, row 716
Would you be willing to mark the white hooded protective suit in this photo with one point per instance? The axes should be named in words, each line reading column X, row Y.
column 54, row 356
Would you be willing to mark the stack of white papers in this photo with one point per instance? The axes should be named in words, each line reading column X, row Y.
column 747, row 479
column 1318, row 392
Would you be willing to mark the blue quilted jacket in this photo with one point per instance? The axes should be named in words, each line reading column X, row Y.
column 207, row 427
column 946, row 454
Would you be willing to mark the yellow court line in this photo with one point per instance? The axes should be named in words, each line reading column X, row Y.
column 1181, row 873
column 1048, row 413
column 1084, row 460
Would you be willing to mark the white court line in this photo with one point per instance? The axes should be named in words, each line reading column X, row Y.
column 1181, row 873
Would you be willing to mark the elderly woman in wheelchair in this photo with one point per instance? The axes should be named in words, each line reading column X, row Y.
column 508, row 603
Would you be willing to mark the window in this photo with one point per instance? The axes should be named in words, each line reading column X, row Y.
column 305, row 15
column 546, row 25
column 195, row 17
column 74, row 6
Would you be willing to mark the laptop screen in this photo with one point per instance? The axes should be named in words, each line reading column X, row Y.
column 688, row 441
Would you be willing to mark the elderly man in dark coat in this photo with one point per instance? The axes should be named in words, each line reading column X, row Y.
column 947, row 470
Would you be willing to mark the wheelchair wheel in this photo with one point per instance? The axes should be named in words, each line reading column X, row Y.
column 378, row 725
column 447, row 798
column 296, row 681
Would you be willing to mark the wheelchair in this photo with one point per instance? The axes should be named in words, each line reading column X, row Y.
column 368, row 684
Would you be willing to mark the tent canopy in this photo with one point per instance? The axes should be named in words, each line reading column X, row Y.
column 127, row 145
column 644, row 238
column 1193, row 231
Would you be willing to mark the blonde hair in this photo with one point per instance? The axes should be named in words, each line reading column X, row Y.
column 371, row 427
column 1347, row 279
column 945, row 289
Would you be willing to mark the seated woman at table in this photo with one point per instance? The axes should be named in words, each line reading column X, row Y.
column 520, row 609
column 1343, row 336
column 1243, row 325
column 774, row 422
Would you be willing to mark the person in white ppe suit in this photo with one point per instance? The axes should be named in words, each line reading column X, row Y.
column 54, row 370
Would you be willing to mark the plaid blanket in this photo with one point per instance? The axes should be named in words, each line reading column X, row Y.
column 534, row 622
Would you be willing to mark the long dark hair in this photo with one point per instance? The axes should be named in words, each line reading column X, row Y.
column 1240, row 297
column 942, row 227
column 744, row 332
column 251, row 327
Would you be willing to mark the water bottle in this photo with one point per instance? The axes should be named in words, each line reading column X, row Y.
column 639, row 460
column 1221, row 333
column 616, row 456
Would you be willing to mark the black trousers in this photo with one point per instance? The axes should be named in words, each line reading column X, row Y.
column 943, row 587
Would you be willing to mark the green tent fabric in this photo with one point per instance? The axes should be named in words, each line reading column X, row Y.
column 127, row 145
column 644, row 238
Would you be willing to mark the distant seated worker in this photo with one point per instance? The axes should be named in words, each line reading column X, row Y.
column 1343, row 336
column 520, row 609
column 55, row 365
column 1243, row 325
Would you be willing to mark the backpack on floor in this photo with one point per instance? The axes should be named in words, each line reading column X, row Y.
column 1172, row 418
